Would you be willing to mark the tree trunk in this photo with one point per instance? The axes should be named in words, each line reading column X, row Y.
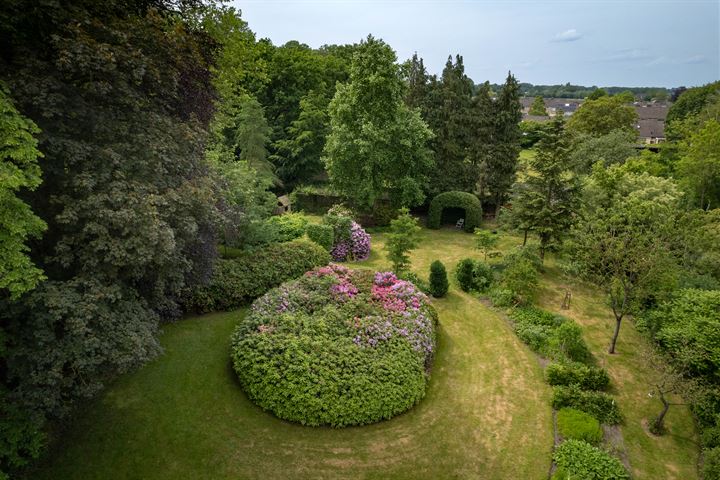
column 618, row 320
column 658, row 425
column 525, row 238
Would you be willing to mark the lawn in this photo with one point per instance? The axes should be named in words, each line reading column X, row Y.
column 486, row 414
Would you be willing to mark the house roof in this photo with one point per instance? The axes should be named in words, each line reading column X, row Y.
column 651, row 128
column 657, row 111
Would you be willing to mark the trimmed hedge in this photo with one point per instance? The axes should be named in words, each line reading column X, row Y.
column 337, row 347
column 576, row 425
column 467, row 201
column 237, row 281
column 550, row 335
column 323, row 235
column 600, row 405
column 576, row 373
column 580, row 460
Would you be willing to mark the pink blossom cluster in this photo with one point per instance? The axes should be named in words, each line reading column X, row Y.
column 396, row 295
column 343, row 287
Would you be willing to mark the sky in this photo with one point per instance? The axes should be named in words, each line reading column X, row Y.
column 665, row 43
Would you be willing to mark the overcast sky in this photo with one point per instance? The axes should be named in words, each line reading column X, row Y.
column 606, row 43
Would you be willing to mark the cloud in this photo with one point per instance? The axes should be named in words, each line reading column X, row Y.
column 628, row 55
column 694, row 59
column 567, row 36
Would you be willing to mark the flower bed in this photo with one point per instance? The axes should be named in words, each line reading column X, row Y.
column 337, row 347
column 356, row 247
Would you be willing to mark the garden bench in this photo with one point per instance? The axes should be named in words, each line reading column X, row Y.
column 460, row 223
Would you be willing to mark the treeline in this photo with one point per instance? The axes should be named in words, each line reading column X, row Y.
column 578, row 91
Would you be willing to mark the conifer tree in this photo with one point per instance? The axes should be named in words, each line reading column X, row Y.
column 416, row 78
column 549, row 197
column 450, row 121
column 501, row 165
column 538, row 107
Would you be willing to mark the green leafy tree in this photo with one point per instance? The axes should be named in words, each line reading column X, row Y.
column 689, row 104
column 538, row 107
column 121, row 92
column 403, row 237
column 485, row 240
column 20, row 171
column 611, row 149
column 549, row 198
column 597, row 93
column 377, row 146
column 699, row 167
column 438, row 279
column 623, row 242
column 603, row 115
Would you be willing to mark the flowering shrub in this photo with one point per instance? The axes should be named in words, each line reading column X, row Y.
column 337, row 347
column 357, row 247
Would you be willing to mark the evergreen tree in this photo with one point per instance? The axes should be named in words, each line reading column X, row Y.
column 538, row 107
column 416, row 78
column 483, row 138
column 377, row 146
column 550, row 196
column 438, row 279
column 500, row 165
column 451, row 124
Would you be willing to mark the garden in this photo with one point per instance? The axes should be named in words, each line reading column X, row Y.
column 443, row 389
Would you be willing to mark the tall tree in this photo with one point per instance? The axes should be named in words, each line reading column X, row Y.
column 450, row 122
column 416, row 79
column 538, row 107
column 121, row 93
column 377, row 146
column 501, row 165
column 549, row 197
column 624, row 239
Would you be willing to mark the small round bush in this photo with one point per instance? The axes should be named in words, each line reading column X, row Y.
column 337, row 347
column 464, row 200
column 580, row 460
column 711, row 464
column 464, row 273
column 438, row 279
column 577, row 425
column 323, row 235
column 482, row 276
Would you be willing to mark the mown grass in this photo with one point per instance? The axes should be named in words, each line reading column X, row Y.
column 486, row 414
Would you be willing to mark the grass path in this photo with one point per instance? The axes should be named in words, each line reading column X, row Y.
column 486, row 414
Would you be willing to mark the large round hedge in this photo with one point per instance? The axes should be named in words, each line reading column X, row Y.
column 337, row 347
column 464, row 200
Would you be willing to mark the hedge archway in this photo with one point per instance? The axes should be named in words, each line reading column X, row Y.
column 467, row 201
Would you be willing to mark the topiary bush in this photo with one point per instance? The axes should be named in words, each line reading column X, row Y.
column 580, row 460
column 337, row 347
column 464, row 200
column 323, row 235
column 438, row 279
column 575, row 373
column 600, row 405
column 237, row 281
column 576, row 425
